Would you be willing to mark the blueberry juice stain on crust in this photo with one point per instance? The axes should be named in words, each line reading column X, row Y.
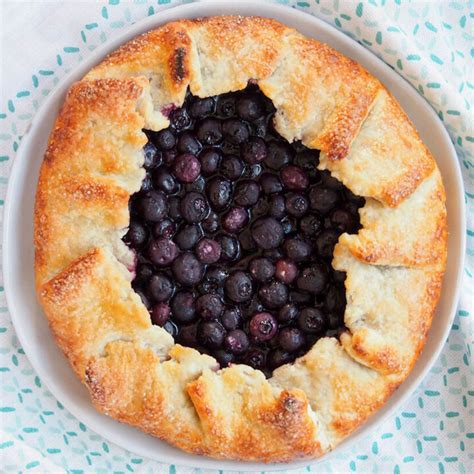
column 234, row 230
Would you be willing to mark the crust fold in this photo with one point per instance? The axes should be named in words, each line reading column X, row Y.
column 387, row 160
column 342, row 392
column 412, row 234
column 322, row 97
column 388, row 312
column 244, row 417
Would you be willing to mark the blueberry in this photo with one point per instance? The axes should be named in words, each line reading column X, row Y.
column 323, row 199
column 253, row 307
column 164, row 140
column 311, row 321
column 231, row 319
column 254, row 171
column 143, row 273
column 256, row 358
column 294, row 178
column 137, row 235
column 200, row 108
column 223, row 357
column 210, row 160
column 208, row 250
column 231, row 167
column 186, row 168
column 246, row 240
column 338, row 277
column 235, row 131
column 147, row 183
column 188, row 143
column 313, row 279
column 277, row 206
column 211, row 223
column 343, row 220
column 358, row 201
column 300, row 297
column 230, row 247
column 238, row 287
column 261, row 269
column 273, row 254
column 273, row 295
column 164, row 180
column 236, row 341
column 331, row 182
column 287, row 313
column 152, row 156
column 219, row 192
column 152, row 206
column 296, row 204
column 218, row 273
column 188, row 335
column 278, row 358
column 187, row 269
column 286, row 271
column 194, row 207
column 169, row 157
column 209, row 131
column 335, row 299
column 335, row 320
column 188, row 236
column 174, row 203
column 254, row 150
column 183, row 308
column 326, row 241
column 160, row 314
column 267, row 232
column 261, row 208
column 210, row 334
column 279, row 155
column 144, row 299
column 164, row 228
column 310, row 225
column 270, row 183
column 260, row 127
column 249, row 107
column 307, row 159
column 226, row 106
column 160, row 288
column 291, row 339
column 297, row 249
column 197, row 185
column 263, row 326
column 213, row 280
column 179, row 119
column 235, row 220
column 289, row 225
column 162, row 251
column 353, row 209
column 209, row 306
column 247, row 244
column 246, row 193
column 171, row 328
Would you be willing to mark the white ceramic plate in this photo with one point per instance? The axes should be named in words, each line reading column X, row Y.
column 30, row 323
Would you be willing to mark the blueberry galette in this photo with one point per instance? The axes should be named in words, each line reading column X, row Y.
column 240, row 239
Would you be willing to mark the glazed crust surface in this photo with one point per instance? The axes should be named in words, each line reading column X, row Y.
column 395, row 264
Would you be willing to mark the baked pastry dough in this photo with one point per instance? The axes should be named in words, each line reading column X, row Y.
column 134, row 371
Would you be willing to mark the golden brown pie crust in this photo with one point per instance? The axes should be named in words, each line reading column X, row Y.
column 395, row 264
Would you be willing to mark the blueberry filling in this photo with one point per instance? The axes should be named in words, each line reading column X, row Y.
column 234, row 230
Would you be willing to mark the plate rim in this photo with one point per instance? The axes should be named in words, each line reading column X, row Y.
column 187, row 11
